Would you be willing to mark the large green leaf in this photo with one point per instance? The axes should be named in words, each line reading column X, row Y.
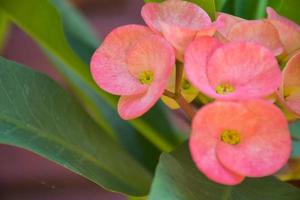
column 250, row 9
column 177, row 178
column 36, row 114
column 287, row 8
column 295, row 132
column 4, row 27
column 207, row 5
column 295, row 129
column 84, row 42
column 256, row 9
column 42, row 22
column 79, row 34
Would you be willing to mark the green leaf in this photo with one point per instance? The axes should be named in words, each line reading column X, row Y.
column 38, row 115
column 287, row 8
column 207, row 5
column 4, row 28
column 157, row 123
column 220, row 4
column 78, row 32
column 295, row 132
column 177, row 178
column 295, row 129
column 248, row 9
column 45, row 27
column 296, row 149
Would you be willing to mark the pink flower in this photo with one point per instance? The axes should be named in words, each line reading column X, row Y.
column 178, row 21
column 289, row 31
column 259, row 31
column 290, row 88
column 231, row 140
column 135, row 63
column 232, row 71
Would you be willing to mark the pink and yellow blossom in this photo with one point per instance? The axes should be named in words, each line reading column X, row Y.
column 288, row 30
column 234, row 140
column 232, row 71
column 178, row 21
column 290, row 88
column 135, row 63
column 235, row 29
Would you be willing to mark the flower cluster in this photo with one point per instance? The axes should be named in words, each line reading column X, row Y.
column 234, row 61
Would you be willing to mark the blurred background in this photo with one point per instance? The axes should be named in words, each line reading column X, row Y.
column 27, row 176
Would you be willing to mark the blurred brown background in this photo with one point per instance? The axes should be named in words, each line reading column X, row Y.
column 26, row 176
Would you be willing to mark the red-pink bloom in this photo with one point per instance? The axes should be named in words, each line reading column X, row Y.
column 289, row 31
column 232, row 71
column 135, row 63
column 259, row 31
column 290, row 88
column 178, row 21
column 231, row 140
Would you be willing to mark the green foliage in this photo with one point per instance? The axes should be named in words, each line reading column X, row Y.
column 177, row 178
column 84, row 43
column 288, row 8
column 295, row 129
column 36, row 114
column 256, row 9
column 76, row 72
column 295, row 132
column 4, row 27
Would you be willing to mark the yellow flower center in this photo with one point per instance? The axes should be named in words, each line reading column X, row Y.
column 146, row 77
column 231, row 137
column 224, row 89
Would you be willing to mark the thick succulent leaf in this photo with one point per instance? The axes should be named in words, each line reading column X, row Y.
column 84, row 42
column 295, row 129
column 75, row 72
column 177, row 178
column 78, row 32
column 38, row 115
column 4, row 28
column 256, row 9
column 287, row 8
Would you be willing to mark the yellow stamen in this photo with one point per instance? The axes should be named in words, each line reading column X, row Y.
column 224, row 89
column 231, row 137
column 146, row 77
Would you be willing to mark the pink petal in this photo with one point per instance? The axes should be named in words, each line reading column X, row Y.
column 291, row 72
column 291, row 84
column 206, row 128
column 150, row 54
column 265, row 143
column 293, row 103
column 289, row 31
column 250, row 68
column 130, row 107
column 225, row 22
column 196, row 58
column 258, row 31
column 109, row 63
column 272, row 14
column 179, row 21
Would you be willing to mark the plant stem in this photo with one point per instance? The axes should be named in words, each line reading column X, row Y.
column 179, row 74
column 185, row 106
